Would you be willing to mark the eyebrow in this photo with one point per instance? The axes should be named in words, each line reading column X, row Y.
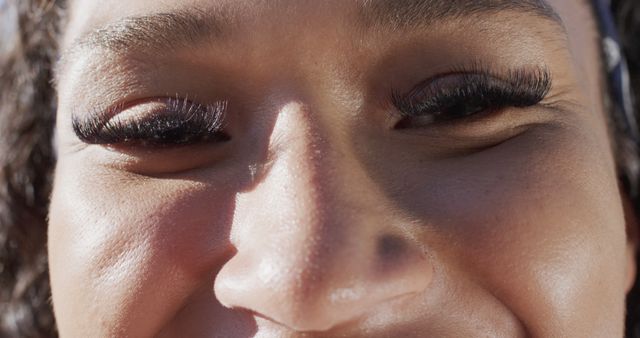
column 407, row 14
column 162, row 32
column 156, row 31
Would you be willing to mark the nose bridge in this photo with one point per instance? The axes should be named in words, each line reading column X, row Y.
column 302, row 207
column 318, row 222
column 303, row 167
column 314, row 246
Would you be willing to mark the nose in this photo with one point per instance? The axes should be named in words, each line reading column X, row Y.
column 317, row 245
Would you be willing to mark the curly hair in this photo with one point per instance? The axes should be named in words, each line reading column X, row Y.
column 27, row 113
column 27, row 116
column 628, row 18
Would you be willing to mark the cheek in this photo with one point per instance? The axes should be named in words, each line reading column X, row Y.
column 537, row 222
column 124, row 256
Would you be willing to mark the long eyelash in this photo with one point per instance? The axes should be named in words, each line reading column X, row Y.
column 182, row 122
column 518, row 88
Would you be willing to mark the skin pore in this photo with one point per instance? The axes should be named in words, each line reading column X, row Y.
column 329, row 211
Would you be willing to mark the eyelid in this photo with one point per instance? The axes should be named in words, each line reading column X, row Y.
column 133, row 121
column 534, row 78
column 520, row 87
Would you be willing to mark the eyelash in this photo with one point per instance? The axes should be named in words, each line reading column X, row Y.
column 462, row 94
column 182, row 122
column 452, row 97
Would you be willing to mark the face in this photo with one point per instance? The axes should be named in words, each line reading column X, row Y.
column 335, row 169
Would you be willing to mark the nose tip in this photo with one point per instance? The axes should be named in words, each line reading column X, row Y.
column 307, row 295
column 317, row 244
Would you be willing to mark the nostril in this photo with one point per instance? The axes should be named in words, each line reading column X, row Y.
column 392, row 252
column 307, row 292
column 390, row 247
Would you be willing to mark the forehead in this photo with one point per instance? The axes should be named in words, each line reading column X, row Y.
column 87, row 14
column 153, row 25
column 87, row 17
column 573, row 18
column 320, row 21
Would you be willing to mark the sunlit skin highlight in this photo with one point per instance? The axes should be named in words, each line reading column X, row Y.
column 319, row 216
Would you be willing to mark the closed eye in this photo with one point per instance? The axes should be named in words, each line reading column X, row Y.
column 456, row 96
column 156, row 123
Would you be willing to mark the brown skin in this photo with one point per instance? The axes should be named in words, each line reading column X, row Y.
column 319, row 216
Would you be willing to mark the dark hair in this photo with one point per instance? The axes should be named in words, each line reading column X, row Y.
column 27, row 106
column 27, row 116
column 628, row 19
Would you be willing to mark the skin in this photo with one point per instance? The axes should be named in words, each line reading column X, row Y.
column 319, row 218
